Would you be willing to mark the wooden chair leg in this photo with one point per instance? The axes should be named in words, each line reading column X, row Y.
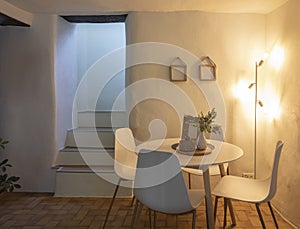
column 215, row 209
column 260, row 216
column 230, row 206
column 225, row 213
column 273, row 215
column 190, row 182
column 132, row 201
column 111, row 203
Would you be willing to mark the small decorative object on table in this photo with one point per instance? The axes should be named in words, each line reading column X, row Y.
column 205, row 125
column 186, row 146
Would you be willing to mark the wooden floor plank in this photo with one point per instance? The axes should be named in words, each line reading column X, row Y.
column 42, row 210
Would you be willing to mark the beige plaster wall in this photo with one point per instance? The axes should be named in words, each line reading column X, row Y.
column 283, row 31
column 233, row 41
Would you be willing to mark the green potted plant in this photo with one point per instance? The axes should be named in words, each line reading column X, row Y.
column 205, row 122
column 7, row 183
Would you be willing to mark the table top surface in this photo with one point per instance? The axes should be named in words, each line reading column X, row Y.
column 222, row 152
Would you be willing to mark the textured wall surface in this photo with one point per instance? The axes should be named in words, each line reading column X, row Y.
column 28, row 103
column 232, row 41
column 65, row 68
column 281, row 81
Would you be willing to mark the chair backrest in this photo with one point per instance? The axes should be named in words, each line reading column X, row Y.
column 273, row 178
column 159, row 183
column 219, row 135
column 125, row 155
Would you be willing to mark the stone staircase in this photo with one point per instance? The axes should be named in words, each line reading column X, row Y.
column 84, row 167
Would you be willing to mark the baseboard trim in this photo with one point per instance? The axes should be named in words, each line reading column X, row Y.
column 283, row 217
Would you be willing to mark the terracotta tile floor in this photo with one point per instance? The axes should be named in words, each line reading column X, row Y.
column 36, row 210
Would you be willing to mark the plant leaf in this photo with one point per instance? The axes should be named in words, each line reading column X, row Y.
column 13, row 179
column 17, row 186
column 4, row 177
column 4, row 162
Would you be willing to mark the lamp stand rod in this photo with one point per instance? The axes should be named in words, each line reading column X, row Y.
column 255, row 114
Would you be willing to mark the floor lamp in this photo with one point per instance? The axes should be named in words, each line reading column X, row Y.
column 256, row 101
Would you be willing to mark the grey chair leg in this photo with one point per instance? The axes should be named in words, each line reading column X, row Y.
column 150, row 220
column 225, row 213
column 260, row 216
column 273, row 215
column 194, row 219
column 154, row 220
column 111, row 203
column 215, row 208
column 133, row 220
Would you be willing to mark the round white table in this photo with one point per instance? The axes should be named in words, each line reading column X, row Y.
column 220, row 153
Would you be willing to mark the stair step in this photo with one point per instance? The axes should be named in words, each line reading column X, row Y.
column 85, row 169
column 85, row 166
column 87, row 138
column 84, row 182
column 102, row 119
column 85, row 156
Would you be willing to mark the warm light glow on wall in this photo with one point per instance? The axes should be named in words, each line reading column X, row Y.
column 276, row 57
column 271, row 103
column 266, row 56
column 267, row 96
column 271, row 106
column 272, row 109
column 240, row 91
column 246, row 96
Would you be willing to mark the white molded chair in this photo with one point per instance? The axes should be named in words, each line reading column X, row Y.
column 250, row 190
column 213, row 170
column 125, row 160
column 159, row 185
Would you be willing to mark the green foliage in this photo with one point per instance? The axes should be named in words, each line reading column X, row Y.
column 3, row 143
column 205, row 122
column 7, row 183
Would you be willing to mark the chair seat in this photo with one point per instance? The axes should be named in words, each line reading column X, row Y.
column 213, row 170
column 249, row 190
column 196, row 196
column 159, row 185
column 244, row 189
